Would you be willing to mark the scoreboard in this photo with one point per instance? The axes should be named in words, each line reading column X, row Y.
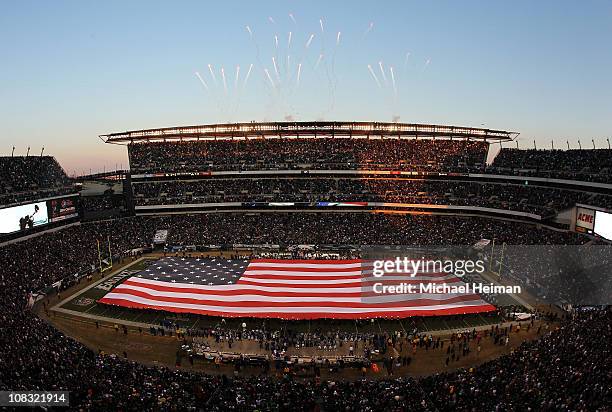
column 25, row 217
column 594, row 221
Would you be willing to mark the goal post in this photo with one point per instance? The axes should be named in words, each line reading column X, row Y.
column 105, row 262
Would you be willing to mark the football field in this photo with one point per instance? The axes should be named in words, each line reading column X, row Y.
column 84, row 305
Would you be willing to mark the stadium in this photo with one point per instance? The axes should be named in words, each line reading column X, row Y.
column 230, row 266
column 306, row 206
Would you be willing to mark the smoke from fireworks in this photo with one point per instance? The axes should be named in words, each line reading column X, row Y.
column 321, row 24
column 338, row 38
column 292, row 18
column 369, row 29
column 237, row 76
column 299, row 73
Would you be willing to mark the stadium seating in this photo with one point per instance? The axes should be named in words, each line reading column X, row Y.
column 517, row 196
column 588, row 164
column 29, row 178
column 322, row 153
column 565, row 370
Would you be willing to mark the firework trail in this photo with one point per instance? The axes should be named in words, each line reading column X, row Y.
column 276, row 41
column 212, row 73
column 321, row 24
column 236, row 78
column 270, row 78
column 426, row 64
column 334, row 81
column 406, row 60
column 223, row 77
column 246, row 78
column 393, row 80
column 374, row 76
column 288, row 66
column 382, row 71
column 299, row 72
column 275, row 68
column 292, row 18
column 252, row 37
column 318, row 61
column 309, row 40
column 201, row 80
column 271, row 20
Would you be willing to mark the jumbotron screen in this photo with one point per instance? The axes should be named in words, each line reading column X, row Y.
column 14, row 219
column 61, row 209
column 603, row 224
column 24, row 217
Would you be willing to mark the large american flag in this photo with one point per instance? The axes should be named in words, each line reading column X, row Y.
column 288, row 289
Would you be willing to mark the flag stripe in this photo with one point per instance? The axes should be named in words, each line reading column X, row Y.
column 368, row 297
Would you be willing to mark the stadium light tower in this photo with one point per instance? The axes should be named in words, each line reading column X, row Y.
column 608, row 140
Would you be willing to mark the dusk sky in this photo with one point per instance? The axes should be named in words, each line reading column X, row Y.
column 72, row 70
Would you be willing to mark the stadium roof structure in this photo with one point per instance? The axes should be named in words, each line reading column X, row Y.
column 253, row 130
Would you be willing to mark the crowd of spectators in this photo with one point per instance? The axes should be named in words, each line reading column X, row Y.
column 566, row 370
column 370, row 154
column 520, row 197
column 350, row 229
column 25, row 178
column 302, row 153
column 383, row 154
column 563, row 274
column 588, row 164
